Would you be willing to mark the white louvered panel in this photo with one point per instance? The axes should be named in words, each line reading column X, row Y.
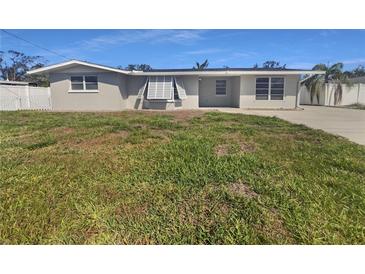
column 160, row 87
column 180, row 88
column 142, row 90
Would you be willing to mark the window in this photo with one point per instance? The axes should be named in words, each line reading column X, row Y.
column 220, row 87
column 91, row 82
column 274, row 84
column 277, row 88
column 84, row 83
column 262, row 88
column 77, row 83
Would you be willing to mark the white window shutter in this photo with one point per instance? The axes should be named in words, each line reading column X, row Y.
column 142, row 90
column 180, row 88
column 160, row 88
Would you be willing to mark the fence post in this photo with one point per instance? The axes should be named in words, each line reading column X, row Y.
column 28, row 96
column 49, row 97
column 358, row 93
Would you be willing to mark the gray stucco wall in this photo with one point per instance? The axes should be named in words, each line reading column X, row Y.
column 135, row 83
column 236, row 83
column 248, row 93
column 191, row 84
column 207, row 93
column 112, row 95
column 118, row 92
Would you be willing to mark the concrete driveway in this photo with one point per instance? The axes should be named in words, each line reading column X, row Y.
column 349, row 123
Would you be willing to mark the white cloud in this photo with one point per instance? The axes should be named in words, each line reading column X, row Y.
column 328, row 32
column 354, row 61
column 204, row 51
column 142, row 36
column 235, row 55
column 301, row 65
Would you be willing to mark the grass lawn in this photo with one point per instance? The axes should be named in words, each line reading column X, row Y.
column 176, row 178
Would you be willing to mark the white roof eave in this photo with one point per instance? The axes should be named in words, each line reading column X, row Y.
column 51, row 68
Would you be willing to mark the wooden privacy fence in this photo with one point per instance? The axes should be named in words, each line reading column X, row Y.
column 24, row 97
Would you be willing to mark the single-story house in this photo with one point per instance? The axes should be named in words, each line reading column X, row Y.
column 83, row 86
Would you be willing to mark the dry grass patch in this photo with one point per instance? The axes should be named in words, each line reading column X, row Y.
column 273, row 227
column 185, row 115
column 242, row 189
column 231, row 140
column 222, row 150
column 62, row 130
column 114, row 138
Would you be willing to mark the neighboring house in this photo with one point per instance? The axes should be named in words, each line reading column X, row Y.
column 358, row 80
column 14, row 83
column 77, row 86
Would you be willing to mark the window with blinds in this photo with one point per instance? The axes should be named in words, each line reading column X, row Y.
column 270, row 88
column 220, row 87
column 262, row 88
column 277, row 88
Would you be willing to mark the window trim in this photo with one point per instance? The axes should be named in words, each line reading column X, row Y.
column 84, row 90
column 269, row 88
column 225, row 94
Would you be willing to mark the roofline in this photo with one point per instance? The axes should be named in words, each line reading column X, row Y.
column 20, row 83
column 227, row 72
column 76, row 62
column 209, row 72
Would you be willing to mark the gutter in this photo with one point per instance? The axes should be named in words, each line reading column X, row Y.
column 223, row 73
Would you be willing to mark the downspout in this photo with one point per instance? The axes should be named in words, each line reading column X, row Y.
column 297, row 99
column 358, row 93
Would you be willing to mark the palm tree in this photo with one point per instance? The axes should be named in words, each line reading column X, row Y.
column 201, row 66
column 333, row 74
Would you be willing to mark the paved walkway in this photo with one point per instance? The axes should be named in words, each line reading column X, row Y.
column 349, row 123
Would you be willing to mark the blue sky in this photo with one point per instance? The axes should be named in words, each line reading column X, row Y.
column 181, row 48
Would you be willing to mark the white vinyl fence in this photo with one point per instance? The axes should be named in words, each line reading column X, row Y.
column 24, row 97
column 354, row 94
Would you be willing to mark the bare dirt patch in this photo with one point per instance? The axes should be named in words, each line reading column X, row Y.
column 231, row 139
column 106, row 139
column 273, row 227
column 179, row 115
column 247, row 147
column 185, row 115
column 63, row 130
column 242, row 189
column 222, row 150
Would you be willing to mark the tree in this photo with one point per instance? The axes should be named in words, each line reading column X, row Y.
column 143, row 67
column 270, row 65
column 358, row 72
column 333, row 74
column 273, row 64
column 201, row 66
column 14, row 66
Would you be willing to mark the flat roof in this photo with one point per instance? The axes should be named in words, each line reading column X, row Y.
column 224, row 69
column 20, row 83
